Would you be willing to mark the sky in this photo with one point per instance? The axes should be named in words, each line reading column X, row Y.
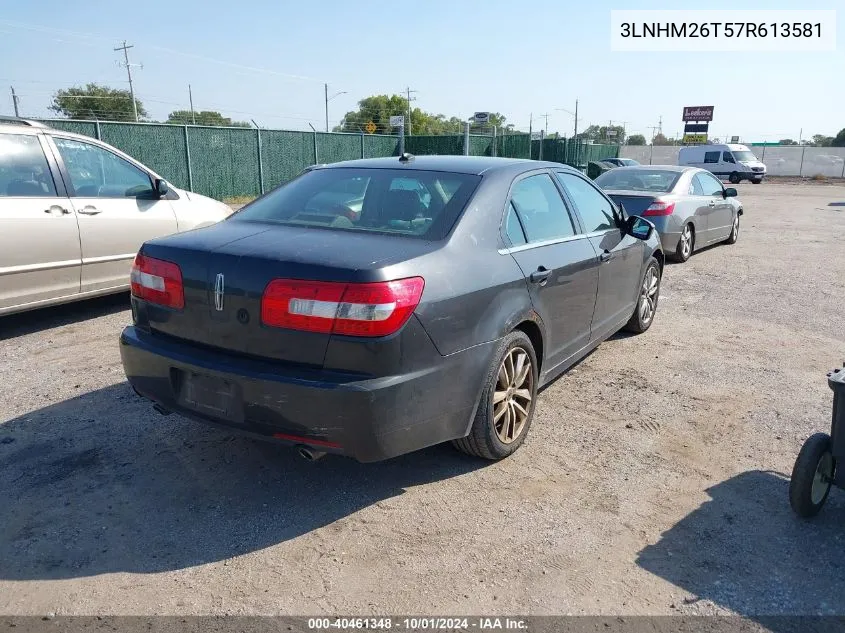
column 268, row 61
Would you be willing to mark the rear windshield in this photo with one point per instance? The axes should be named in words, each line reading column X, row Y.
column 408, row 202
column 656, row 180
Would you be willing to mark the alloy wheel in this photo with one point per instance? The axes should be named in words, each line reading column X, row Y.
column 512, row 398
column 648, row 296
column 686, row 241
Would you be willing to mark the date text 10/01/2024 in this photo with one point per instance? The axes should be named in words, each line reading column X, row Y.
column 720, row 29
column 418, row 623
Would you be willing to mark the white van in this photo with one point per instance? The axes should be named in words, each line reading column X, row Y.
column 734, row 162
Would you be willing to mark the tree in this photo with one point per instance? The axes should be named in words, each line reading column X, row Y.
column 96, row 102
column 820, row 140
column 839, row 139
column 787, row 141
column 379, row 109
column 636, row 139
column 660, row 139
column 204, row 117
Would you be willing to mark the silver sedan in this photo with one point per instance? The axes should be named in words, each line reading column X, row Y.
column 690, row 207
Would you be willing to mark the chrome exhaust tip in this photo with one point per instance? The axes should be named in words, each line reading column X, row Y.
column 307, row 453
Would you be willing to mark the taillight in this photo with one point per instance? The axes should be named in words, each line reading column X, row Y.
column 660, row 207
column 157, row 281
column 371, row 309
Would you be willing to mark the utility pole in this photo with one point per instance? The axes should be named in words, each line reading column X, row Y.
column 125, row 48
column 15, row 102
column 530, row 124
column 328, row 98
column 575, row 135
column 408, row 92
column 546, row 117
column 191, row 99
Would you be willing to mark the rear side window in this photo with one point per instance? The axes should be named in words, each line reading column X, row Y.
column 24, row 172
column 595, row 210
column 711, row 157
column 412, row 203
column 513, row 228
column 541, row 209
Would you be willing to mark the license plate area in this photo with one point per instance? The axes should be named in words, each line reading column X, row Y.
column 209, row 395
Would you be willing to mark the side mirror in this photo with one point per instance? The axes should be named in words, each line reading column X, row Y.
column 620, row 214
column 638, row 227
column 730, row 192
column 161, row 187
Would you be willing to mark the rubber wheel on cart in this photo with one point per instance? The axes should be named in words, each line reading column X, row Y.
column 812, row 476
column 734, row 178
column 507, row 402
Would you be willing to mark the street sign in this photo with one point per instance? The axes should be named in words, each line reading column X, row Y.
column 397, row 121
column 370, row 127
column 698, row 113
column 611, row 133
column 536, row 136
column 481, row 117
column 695, row 138
column 734, row 139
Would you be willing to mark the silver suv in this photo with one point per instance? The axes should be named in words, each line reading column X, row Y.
column 73, row 213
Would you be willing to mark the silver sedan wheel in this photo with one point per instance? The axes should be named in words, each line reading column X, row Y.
column 648, row 296
column 512, row 398
column 686, row 241
column 735, row 231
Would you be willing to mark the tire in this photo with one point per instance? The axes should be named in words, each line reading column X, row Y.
column 734, row 178
column 648, row 296
column 686, row 244
column 734, row 236
column 493, row 438
column 757, row 182
column 812, row 476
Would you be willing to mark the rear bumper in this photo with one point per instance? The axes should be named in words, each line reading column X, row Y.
column 370, row 419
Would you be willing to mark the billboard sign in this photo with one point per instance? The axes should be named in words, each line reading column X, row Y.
column 698, row 113
column 695, row 139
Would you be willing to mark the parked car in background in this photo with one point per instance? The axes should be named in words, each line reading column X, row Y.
column 73, row 213
column 734, row 162
column 689, row 206
column 462, row 286
column 621, row 162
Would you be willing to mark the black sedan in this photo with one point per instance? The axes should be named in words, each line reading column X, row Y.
column 620, row 162
column 431, row 311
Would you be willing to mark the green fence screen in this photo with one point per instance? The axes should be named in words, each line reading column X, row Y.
column 224, row 162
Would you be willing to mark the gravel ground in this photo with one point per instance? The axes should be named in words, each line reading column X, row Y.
column 654, row 479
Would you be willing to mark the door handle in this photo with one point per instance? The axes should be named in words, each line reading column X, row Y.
column 540, row 276
column 606, row 256
column 56, row 210
column 89, row 210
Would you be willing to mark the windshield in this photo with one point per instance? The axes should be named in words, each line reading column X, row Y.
column 413, row 203
column 655, row 180
column 745, row 156
column 630, row 162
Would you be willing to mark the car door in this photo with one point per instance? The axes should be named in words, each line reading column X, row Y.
column 703, row 209
column 558, row 261
column 620, row 254
column 720, row 218
column 117, row 209
column 39, row 237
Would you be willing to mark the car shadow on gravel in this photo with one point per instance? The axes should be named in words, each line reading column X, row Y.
column 32, row 321
column 746, row 551
column 101, row 483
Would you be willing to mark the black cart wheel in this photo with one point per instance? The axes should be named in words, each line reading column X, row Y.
column 812, row 476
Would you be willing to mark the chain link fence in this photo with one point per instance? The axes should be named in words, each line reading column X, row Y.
column 229, row 162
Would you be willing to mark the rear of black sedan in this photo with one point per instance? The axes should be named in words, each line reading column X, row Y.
column 368, row 329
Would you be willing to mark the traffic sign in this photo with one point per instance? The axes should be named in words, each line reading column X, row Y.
column 370, row 127
column 397, row 121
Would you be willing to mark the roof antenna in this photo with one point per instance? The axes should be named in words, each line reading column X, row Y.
column 405, row 157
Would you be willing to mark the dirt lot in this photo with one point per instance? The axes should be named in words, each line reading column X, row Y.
column 654, row 480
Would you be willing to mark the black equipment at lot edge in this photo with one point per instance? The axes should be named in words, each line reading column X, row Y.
column 821, row 462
